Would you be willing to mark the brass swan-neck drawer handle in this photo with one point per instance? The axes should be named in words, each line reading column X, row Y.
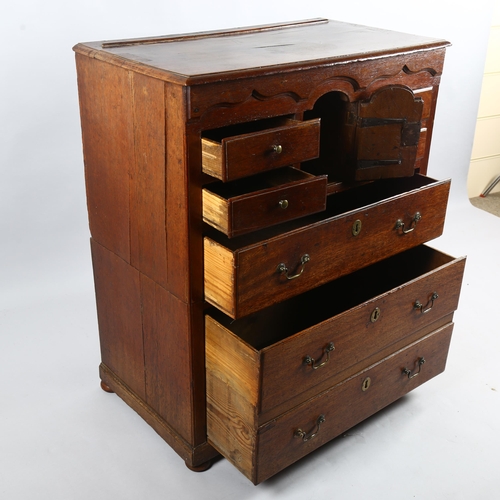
column 311, row 361
column 408, row 372
column 418, row 306
column 282, row 269
column 306, row 436
column 401, row 225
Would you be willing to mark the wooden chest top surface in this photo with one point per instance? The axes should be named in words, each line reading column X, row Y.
column 212, row 55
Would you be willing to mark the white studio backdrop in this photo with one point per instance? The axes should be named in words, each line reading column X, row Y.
column 43, row 225
column 61, row 437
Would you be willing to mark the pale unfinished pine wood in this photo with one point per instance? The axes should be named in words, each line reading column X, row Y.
column 220, row 276
column 242, row 207
column 280, row 337
column 255, row 282
column 232, row 392
column 259, row 451
column 211, row 158
column 216, row 211
column 146, row 105
column 250, row 148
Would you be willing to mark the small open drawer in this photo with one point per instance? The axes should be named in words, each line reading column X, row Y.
column 246, row 149
column 263, row 200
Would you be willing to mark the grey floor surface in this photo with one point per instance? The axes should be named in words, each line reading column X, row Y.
column 490, row 203
column 63, row 438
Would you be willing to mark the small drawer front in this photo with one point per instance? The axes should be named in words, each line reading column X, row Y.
column 245, row 276
column 317, row 421
column 244, row 206
column 234, row 157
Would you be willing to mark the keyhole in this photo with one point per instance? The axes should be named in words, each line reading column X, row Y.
column 356, row 227
column 366, row 384
column 375, row 315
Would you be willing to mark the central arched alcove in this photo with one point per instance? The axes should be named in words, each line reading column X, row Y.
column 332, row 108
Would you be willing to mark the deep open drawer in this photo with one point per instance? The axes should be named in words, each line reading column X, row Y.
column 358, row 228
column 260, row 452
column 288, row 352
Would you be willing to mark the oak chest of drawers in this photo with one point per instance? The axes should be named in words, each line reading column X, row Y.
column 258, row 203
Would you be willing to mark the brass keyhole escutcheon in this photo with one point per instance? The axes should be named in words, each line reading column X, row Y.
column 375, row 315
column 367, row 382
column 356, row 227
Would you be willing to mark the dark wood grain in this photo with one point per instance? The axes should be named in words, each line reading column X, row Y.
column 194, row 456
column 386, row 130
column 283, row 335
column 202, row 59
column 167, row 356
column 152, row 111
column 329, row 242
column 222, row 103
column 345, row 405
column 264, row 200
column 243, row 152
column 177, row 194
column 107, row 133
column 260, row 452
column 118, row 295
column 148, row 235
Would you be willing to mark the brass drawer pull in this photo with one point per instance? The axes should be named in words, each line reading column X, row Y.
column 401, row 225
column 407, row 372
column 311, row 361
column 282, row 269
column 278, row 149
column 424, row 309
column 283, row 204
column 299, row 433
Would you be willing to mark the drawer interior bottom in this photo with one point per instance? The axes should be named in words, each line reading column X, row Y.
column 282, row 320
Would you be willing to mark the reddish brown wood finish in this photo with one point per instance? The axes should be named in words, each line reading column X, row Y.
column 333, row 249
column 346, row 404
column 145, row 106
column 235, row 152
column 271, row 198
column 194, row 456
column 106, row 388
column 262, row 452
column 183, row 59
column 118, row 294
column 282, row 336
column 385, row 132
column 168, row 384
column 147, row 179
column 137, row 184
column 107, row 134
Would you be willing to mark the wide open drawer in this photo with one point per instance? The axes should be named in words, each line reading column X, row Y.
column 262, row 452
column 242, row 150
column 263, row 200
column 359, row 227
column 286, row 353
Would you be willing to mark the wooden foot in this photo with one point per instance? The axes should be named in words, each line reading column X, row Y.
column 200, row 468
column 106, row 388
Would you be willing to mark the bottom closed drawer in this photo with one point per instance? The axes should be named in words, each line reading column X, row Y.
column 262, row 452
